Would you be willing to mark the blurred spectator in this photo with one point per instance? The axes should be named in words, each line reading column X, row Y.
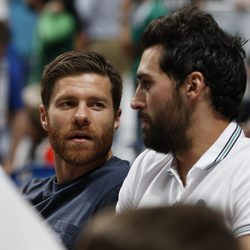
column 22, row 22
column 136, row 15
column 101, row 29
column 228, row 5
column 35, row 149
column 198, row 3
column 232, row 15
column 4, row 10
column 242, row 5
column 56, row 30
column 178, row 228
column 12, row 116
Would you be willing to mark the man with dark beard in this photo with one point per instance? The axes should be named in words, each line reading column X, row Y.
column 81, row 95
column 191, row 80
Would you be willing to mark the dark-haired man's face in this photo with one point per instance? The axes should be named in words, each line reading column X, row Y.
column 164, row 116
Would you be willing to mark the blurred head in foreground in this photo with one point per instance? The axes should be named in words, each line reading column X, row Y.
column 178, row 228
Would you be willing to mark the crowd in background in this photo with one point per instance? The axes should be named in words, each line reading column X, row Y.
column 34, row 32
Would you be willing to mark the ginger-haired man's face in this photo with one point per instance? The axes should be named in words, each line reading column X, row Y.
column 81, row 120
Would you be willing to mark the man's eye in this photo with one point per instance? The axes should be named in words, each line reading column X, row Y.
column 146, row 84
column 98, row 105
column 66, row 104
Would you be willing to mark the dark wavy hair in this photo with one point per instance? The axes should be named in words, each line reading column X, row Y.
column 193, row 41
column 75, row 63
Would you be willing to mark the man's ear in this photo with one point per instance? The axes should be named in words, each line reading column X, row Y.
column 43, row 117
column 194, row 84
column 117, row 119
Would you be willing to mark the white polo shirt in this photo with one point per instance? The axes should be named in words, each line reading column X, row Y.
column 220, row 179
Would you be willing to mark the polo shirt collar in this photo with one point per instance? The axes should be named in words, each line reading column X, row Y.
column 218, row 151
column 220, row 148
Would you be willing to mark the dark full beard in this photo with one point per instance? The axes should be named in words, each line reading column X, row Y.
column 167, row 132
column 79, row 154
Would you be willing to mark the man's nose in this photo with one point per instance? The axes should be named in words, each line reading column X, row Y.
column 82, row 115
column 138, row 101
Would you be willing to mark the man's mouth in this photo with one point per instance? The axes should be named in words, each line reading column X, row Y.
column 79, row 137
column 144, row 119
column 144, row 124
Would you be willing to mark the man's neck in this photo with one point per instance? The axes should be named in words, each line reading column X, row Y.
column 66, row 172
column 202, row 137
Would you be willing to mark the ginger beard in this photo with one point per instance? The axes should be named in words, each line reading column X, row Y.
column 97, row 147
column 166, row 131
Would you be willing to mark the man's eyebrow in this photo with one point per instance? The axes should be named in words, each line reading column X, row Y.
column 99, row 98
column 141, row 75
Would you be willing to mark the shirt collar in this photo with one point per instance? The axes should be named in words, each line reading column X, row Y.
column 220, row 148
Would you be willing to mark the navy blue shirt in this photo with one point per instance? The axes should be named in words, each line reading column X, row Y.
column 68, row 207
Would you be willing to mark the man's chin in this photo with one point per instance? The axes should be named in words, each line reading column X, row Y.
column 157, row 146
column 76, row 159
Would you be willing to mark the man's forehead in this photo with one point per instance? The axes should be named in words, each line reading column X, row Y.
column 150, row 62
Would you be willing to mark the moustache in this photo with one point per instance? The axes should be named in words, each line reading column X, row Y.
column 144, row 116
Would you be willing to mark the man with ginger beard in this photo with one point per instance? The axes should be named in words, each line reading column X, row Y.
column 191, row 81
column 81, row 94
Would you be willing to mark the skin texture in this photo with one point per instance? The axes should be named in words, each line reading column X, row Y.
column 80, row 122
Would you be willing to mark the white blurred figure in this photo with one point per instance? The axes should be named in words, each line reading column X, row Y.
column 4, row 10
column 21, row 227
